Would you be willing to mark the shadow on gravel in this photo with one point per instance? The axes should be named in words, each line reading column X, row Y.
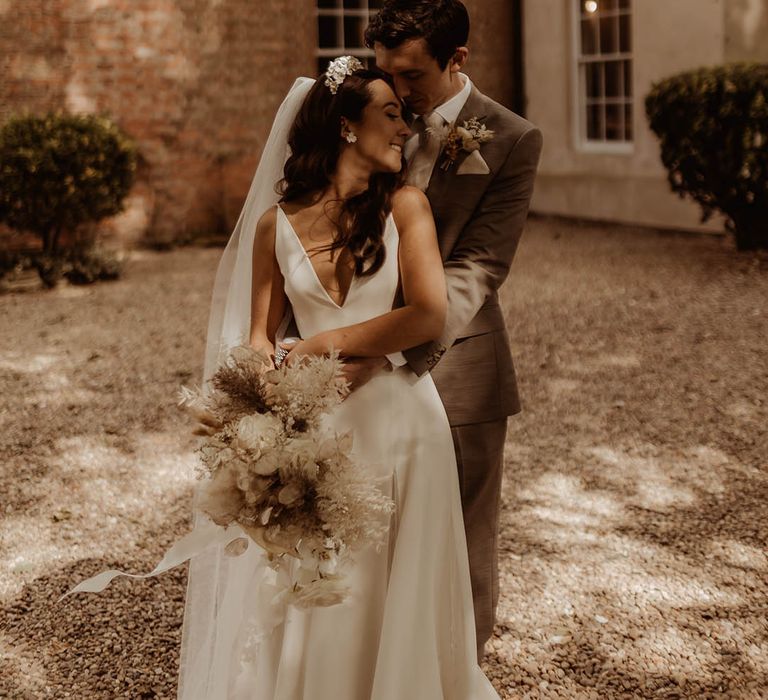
column 121, row 643
column 588, row 666
column 635, row 503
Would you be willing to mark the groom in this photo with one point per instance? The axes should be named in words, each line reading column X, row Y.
column 479, row 191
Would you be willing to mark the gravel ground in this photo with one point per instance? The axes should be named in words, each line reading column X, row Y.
column 635, row 501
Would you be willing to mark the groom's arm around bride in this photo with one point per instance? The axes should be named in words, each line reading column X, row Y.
column 479, row 193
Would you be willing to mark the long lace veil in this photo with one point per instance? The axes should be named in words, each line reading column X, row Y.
column 229, row 326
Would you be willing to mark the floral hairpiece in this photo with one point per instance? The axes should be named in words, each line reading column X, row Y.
column 338, row 69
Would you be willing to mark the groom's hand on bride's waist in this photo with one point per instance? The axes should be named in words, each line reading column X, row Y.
column 359, row 370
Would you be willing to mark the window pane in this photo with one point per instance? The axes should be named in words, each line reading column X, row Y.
column 594, row 122
column 328, row 30
column 328, row 3
column 589, row 36
column 354, row 4
column 627, row 78
column 614, row 77
column 354, row 28
column 594, row 79
column 375, row 4
column 628, row 122
column 614, row 122
column 625, row 34
column 609, row 30
column 605, row 30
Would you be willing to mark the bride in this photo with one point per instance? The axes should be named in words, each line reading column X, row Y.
column 346, row 242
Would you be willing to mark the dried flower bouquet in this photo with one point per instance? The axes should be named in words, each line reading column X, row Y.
column 272, row 468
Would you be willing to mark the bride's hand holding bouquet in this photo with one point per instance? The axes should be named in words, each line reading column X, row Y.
column 272, row 469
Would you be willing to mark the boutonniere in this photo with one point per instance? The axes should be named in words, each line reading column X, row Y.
column 456, row 139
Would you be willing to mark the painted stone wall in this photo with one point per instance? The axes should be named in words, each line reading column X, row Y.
column 491, row 50
column 746, row 30
column 629, row 187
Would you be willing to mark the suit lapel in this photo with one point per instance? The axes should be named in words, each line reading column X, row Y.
column 440, row 183
column 473, row 107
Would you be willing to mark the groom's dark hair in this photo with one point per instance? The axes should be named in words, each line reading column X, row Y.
column 443, row 24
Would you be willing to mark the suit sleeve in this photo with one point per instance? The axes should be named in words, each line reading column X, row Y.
column 480, row 261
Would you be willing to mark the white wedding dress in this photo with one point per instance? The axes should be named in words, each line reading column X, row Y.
column 407, row 632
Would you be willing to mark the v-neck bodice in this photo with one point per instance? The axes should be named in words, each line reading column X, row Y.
column 313, row 308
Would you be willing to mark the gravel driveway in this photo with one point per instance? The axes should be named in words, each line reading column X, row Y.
column 635, row 502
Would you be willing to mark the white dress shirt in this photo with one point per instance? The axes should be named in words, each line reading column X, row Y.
column 449, row 111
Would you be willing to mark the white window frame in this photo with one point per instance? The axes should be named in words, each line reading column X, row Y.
column 329, row 52
column 579, row 106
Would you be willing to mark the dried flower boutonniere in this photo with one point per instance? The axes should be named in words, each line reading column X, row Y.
column 461, row 138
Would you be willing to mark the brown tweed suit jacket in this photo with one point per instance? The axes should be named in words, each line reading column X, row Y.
column 479, row 222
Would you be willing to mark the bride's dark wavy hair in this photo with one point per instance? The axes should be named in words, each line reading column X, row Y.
column 316, row 143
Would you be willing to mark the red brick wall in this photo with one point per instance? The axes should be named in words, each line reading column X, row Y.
column 194, row 82
column 490, row 48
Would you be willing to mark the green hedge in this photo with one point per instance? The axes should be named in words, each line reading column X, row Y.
column 59, row 171
column 713, row 128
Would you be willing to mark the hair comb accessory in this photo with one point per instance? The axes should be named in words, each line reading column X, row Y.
column 338, row 69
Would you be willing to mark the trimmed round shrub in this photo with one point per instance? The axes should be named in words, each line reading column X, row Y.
column 88, row 266
column 78, row 265
column 12, row 262
column 713, row 128
column 59, row 171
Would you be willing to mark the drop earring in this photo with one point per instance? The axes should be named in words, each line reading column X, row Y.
column 351, row 137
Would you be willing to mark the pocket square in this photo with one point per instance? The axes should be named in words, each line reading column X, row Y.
column 473, row 165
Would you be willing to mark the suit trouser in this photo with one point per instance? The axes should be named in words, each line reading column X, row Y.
column 480, row 456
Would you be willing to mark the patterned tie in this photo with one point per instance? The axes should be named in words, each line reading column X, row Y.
column 423, row 161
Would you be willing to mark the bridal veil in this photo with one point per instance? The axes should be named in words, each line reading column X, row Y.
column 228, row 327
